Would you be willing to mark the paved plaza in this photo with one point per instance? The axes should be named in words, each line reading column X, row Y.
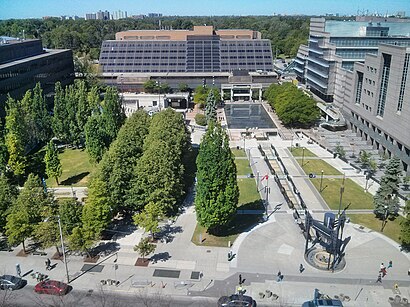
column 271, row 246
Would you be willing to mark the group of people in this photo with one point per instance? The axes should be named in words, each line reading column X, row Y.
column 383, row 271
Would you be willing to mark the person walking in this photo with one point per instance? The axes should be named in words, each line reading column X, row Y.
column 379, row 278
column 48, row 264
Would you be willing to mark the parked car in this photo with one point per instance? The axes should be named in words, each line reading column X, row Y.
column 10, row 282
column 236, row 300
column 52, row 287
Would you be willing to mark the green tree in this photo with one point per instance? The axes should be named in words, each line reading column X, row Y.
column 117, row 165
column 150, row 86
column 52, row 161
column 149, row 218
column 210, row 108
column 97, row 212
column 113, row 115
column 60, row 121
column 26, row 212
column 386, row 201
column 405, row 227
column 95, row 138
column 8, row 194
column 144, row 247
column 217, row 191
column 70, row 211
column 183, row 87
column 15, row 137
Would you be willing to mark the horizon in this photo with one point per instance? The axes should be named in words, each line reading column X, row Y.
column 32, row 9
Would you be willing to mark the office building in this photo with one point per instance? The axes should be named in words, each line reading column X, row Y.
column 376, row 101
column 23, row 63
column 334, row 46
column 186, row 51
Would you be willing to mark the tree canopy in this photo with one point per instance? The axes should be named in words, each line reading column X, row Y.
column 217, row 191
column 292, row 105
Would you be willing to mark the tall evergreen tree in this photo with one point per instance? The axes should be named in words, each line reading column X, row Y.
column 52, row 161
column 8, row 194
column 210, row 107
column 386, row 199
column 60, row 121
column 113, row 115
column 15, row 138
column 217, row 191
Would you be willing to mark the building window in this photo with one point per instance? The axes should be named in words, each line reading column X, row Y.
column 403, row 82
column 384, row 84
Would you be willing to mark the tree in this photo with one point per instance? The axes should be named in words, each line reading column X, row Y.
column 118, row 164
column 8, row 194
column 144, row 248
column 26, row 212
column 113, row 115
column 210, row 107
column 340, row 150
column 150, row 86
column 405, row 227
column 386, row 201
column 97, row 212
column 70, row 211
column 15, row 137
column 52, row 161
column 217, row 191
column 95, row 138
column 149, row 218
column 60, row 122
column 183, row 87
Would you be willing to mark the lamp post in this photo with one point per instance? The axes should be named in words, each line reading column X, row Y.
column 342, row 189
column 62, row 246
column 321, row 182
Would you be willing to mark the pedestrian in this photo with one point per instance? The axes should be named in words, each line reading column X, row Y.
column 379, row 278
column 48, row 264
column 390, row 264
column 301, row 268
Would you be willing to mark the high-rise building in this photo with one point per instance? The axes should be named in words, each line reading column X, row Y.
column 23, row 63
column 376, row 101
column 90, row 16
column 336, row 45
column 199, row 50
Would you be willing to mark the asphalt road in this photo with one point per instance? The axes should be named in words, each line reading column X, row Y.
column 26, row 297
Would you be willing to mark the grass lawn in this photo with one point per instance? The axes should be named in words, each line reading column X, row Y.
column 353, row 194
column 242, row 167
column 298, row 152
column 249, row 199
column 76, row 168
column 391, row 230
column 238, row 152
column 316, row 167
column 247, row 191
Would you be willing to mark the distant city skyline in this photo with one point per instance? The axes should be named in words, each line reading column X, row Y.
column 40, row 8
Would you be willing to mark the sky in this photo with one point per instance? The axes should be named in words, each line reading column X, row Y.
column 39, row 8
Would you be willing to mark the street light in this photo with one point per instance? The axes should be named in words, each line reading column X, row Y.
column 321, row 181
column 62, row 246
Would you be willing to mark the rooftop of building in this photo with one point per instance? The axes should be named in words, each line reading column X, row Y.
column 350, row 28
column 183, row 34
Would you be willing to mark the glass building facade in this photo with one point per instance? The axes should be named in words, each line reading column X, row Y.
column 334, row 45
